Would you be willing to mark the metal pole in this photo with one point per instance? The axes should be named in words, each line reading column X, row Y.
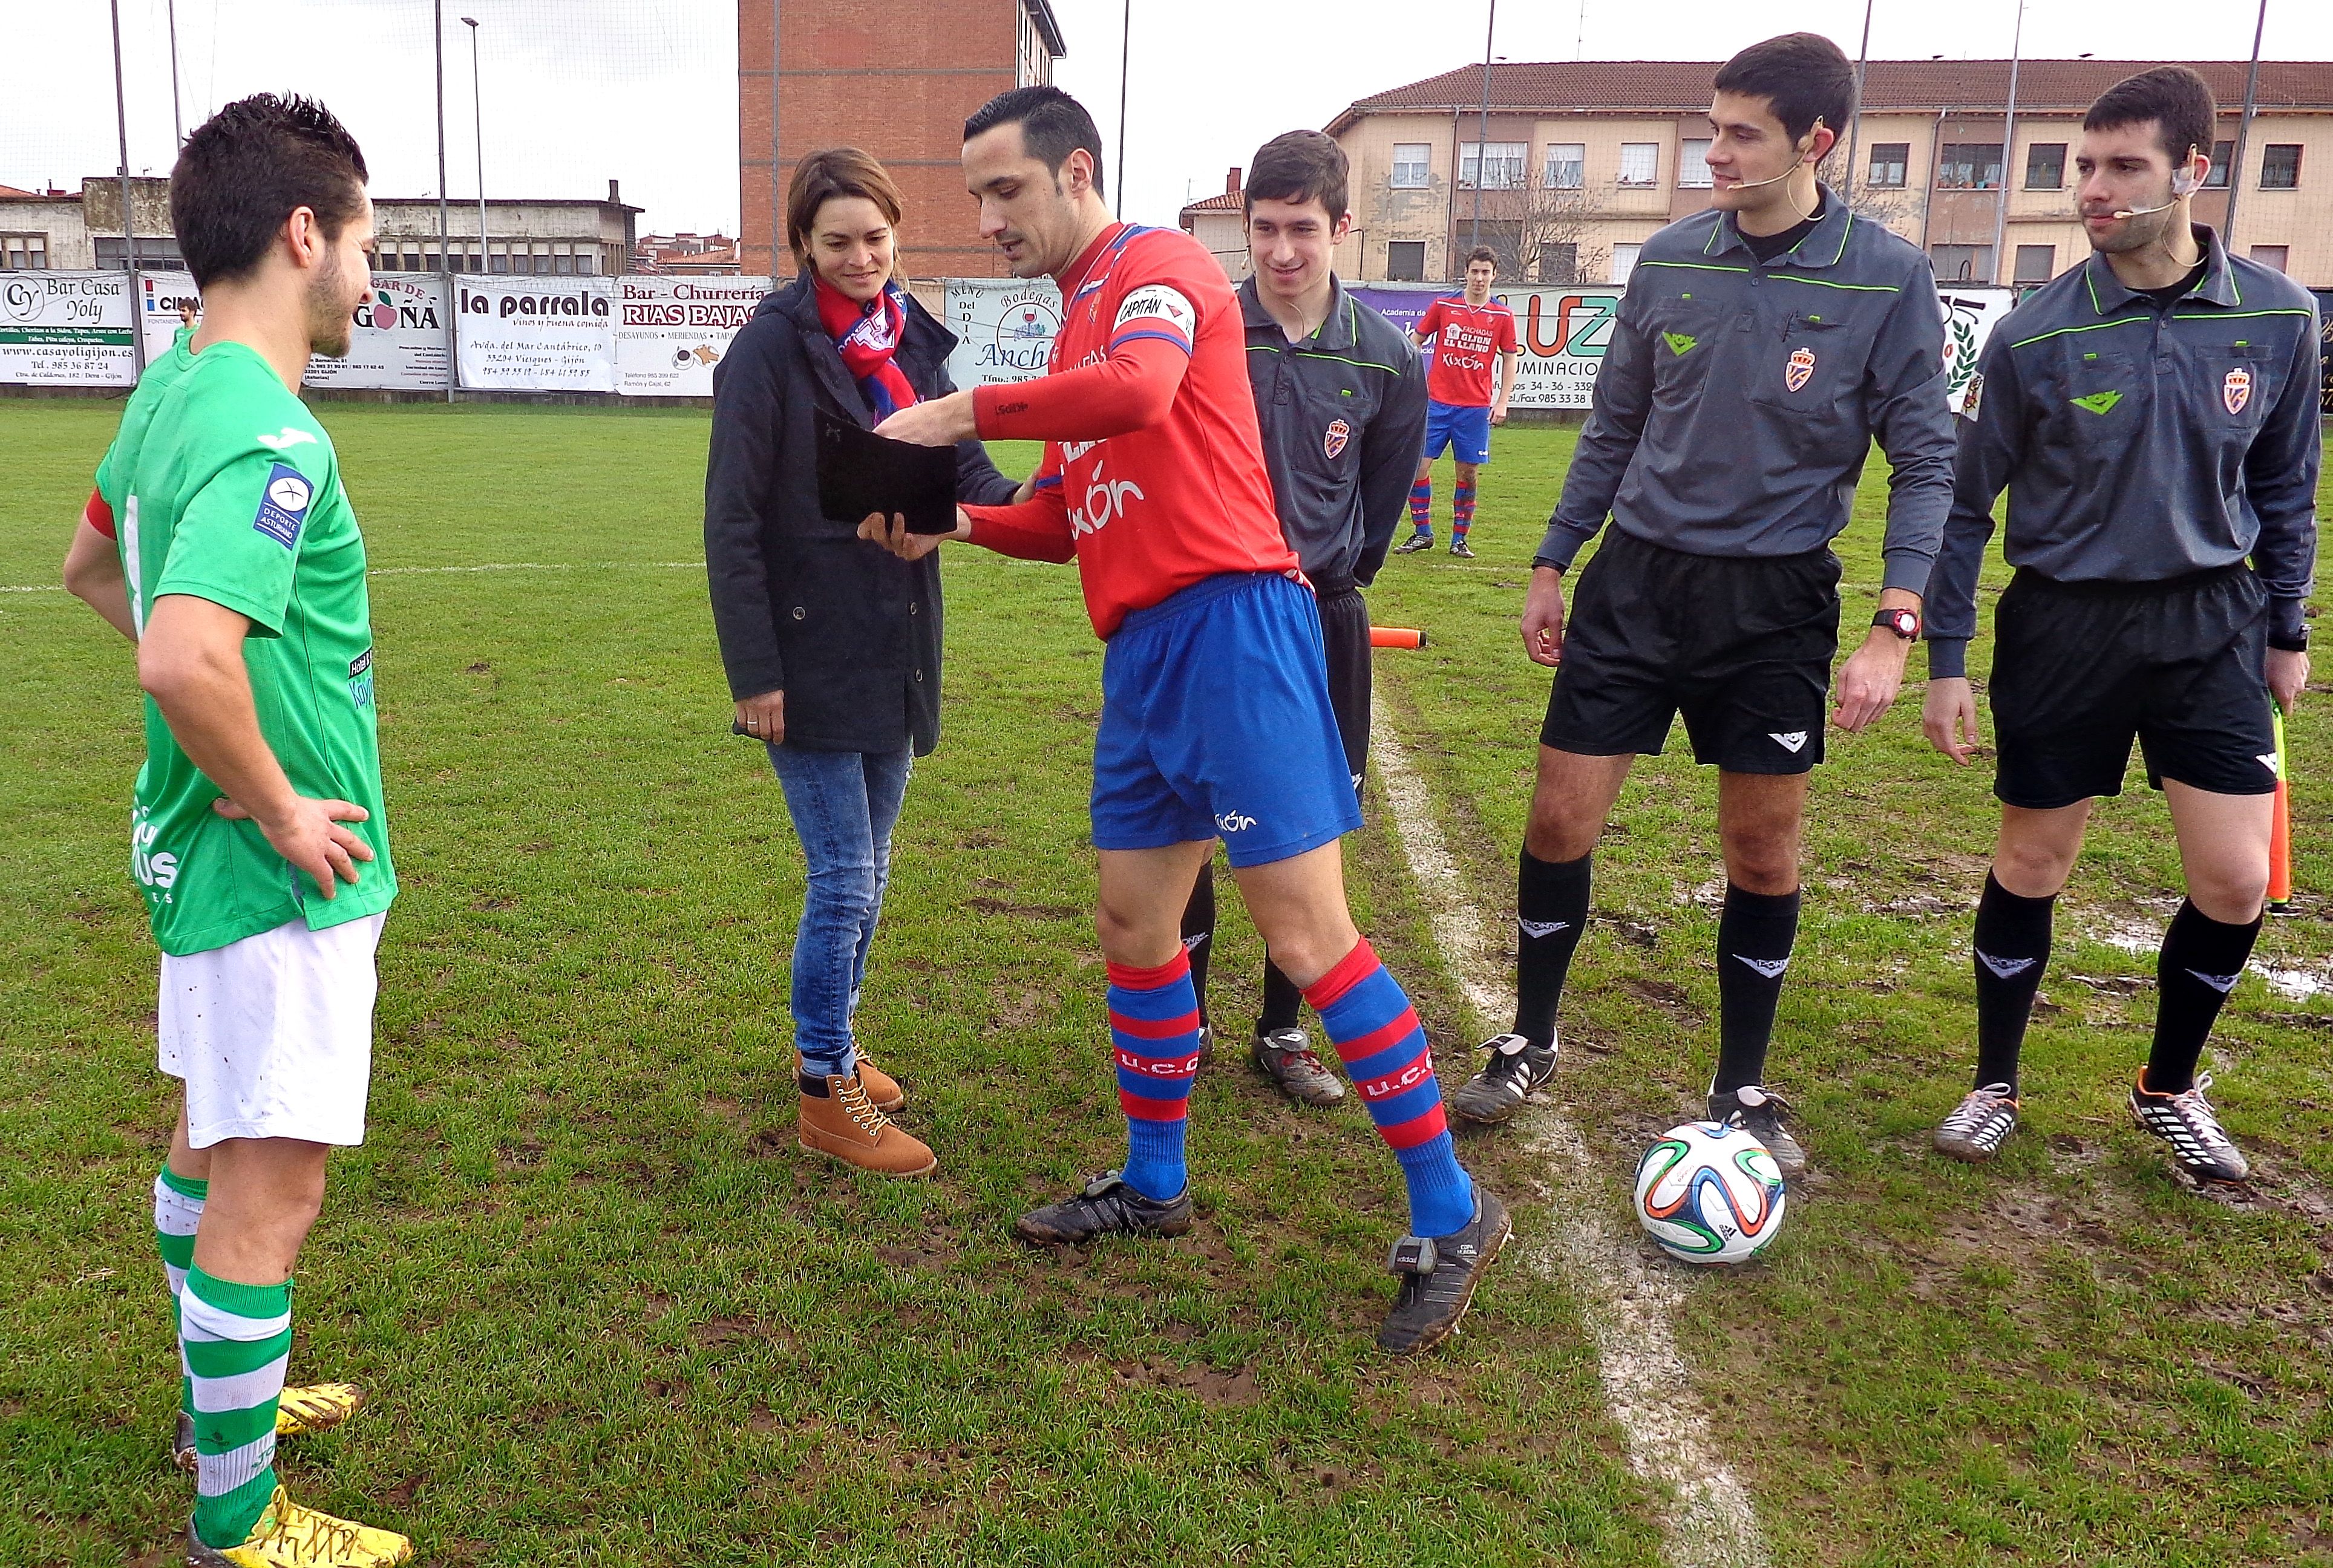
column 777, row 175
column 2000, row 270
column 178, row 125
column 478, row 123
column 1482, row 135
column 1125, row 48
column 128, row 224
column 2243, row 125
column 445, row 274
column 1854, row 117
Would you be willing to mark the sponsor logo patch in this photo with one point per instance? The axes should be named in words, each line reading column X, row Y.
column 284, row 439
column 1680, row 343
column 1799, row 368
column 1794, row 742
column 2237, row 389
column 2222, row 984
column 283, row 505
column 2270, row 762
column 2004, row 967
column 1233, row 822
column 1333, row 440
column 1771, row 967
column 1542, row 927
column 2097, row 402
column 1975, row 397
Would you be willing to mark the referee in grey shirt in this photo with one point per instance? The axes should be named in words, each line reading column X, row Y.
column 1760, row 347
column 2153, row 415
column 1341, row 401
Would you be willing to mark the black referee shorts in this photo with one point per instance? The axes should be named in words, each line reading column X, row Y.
column 1345, row 636
column 2079, row 670
column 1742, row 646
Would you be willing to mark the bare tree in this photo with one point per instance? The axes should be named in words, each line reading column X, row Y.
column 1544, row 237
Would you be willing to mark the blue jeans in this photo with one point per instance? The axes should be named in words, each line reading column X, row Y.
column 843, row 805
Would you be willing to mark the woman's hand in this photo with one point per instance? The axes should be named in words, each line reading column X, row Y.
column 893, row 535
column 763, row 717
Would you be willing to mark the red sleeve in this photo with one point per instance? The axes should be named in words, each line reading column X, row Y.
column 1508, row 342
column 1430, row 322
column 1037, row 529
column 1131, row 388
column 98, row 515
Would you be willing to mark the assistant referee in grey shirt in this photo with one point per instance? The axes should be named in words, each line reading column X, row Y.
column 1760, row 347
column 2153, row 415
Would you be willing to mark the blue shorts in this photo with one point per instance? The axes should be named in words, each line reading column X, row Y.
column 1465, row 433
column 1215, row 723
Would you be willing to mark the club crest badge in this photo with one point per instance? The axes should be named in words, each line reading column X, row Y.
column 1333, row 440
column 2237, row 389
column 1800, row 367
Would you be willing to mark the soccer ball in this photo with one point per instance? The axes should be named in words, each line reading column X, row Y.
column 1709, row 1193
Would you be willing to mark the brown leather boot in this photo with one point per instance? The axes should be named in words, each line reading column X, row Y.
column 883, row 1090
column 843, row 1124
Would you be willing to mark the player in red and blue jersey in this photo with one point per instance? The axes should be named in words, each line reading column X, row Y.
column 1465, row 332
column 1215, row 714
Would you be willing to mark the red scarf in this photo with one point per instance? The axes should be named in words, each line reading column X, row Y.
column 867, row 335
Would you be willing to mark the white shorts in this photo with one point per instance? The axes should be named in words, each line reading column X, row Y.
column 273, row 1035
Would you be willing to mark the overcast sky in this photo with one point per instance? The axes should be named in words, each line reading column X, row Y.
column 578, row 92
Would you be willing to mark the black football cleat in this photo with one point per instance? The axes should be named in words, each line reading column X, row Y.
column 1105, row 1206
column 1438, row 1276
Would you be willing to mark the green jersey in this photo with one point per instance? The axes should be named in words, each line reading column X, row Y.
column 224, row 487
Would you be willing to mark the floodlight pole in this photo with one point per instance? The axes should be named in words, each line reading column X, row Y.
column 777, row 175
column 1124, row 48
column 2243, row 126
column 128, row 224
column 178, row 123
column 445, row 274
column 2000, row 268
column 1855, row 116
column 1482, row 134
column 478, row 123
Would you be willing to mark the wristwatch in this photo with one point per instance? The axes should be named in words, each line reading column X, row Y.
column 1904, row 624
column 2291, row 642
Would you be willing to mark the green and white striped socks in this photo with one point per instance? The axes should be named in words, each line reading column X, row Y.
column 178, row 1210
column 235, row 1340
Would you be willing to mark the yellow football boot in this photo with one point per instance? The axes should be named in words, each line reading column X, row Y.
column 316, row 1408
column 288, row 1535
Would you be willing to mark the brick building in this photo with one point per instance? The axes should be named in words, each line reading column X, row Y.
column 1585, row 159
column 1219, row 222
column 897, row 78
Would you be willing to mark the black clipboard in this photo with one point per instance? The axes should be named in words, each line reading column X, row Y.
column 859, row 471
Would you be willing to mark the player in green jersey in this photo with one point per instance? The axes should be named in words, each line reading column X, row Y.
column 258, row 837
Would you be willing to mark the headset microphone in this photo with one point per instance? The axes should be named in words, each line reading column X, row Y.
column 2183, row 185
column 1754, row 183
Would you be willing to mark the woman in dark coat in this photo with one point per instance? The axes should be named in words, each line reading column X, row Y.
column 831, row 643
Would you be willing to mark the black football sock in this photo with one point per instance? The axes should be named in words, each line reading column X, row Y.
column 2013, row 949
column 1199, row 933
column 1754, row 935
column 1282, row 998
column 1551, row 911
column 2200, row 962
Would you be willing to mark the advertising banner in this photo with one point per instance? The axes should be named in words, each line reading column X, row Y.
column 397, row 338
column 1970, row 317
column 1005, row 329
column 66, row 330
column 1564, row 332
column 670, row 332
column 536, row 334
column 167, row 300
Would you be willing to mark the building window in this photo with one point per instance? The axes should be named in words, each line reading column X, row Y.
column 2036, row 264
column 1888, row 161
column 2273, row 256
column 1567, row 165
column 1505, row 171
column 1693, row 164
column 1640, row 163
column 2224, row 154
column 2045, row 165
column 24, row 252
column 1411, row 168
column 1970, row 165
column 1406, row 262
column 2281, row 165
column 584, row 265
column 1624, row 262
column 1559, row 262
column 1962, row 263
column 499, row 260
column 563, row 264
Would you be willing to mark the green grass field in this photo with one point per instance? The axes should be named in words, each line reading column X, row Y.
column 609, row 1314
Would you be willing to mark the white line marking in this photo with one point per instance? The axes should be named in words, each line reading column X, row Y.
column 1627, row 1303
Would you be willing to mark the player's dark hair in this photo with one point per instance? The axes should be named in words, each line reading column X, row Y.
column 1483, row 254
column 1298, row 166
column 1052, row 124
column 247, row 169
column 1803, row 77
column 838, row 171
column 2175, row 98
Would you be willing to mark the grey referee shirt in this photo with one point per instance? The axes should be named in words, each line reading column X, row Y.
column 2140, row 443
column 1343, row 415
column 1738, row 399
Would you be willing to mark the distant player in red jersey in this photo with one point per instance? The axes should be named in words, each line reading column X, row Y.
column 1216, row 713
column 1465, row 331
